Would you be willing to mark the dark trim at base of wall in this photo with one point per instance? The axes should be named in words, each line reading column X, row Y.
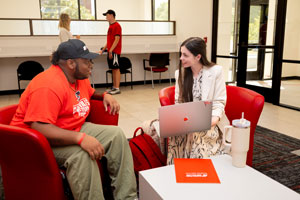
column 289, row 106
column 267, row 79
column 290, row 78
column 102, row 85
column 287, row 78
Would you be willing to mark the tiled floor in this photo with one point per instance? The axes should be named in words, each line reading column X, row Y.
column 142, row 104
column 290, row 92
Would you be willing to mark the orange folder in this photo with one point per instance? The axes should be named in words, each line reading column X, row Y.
column 195, row 171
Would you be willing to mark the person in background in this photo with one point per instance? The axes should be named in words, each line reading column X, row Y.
column 198, row 79
column 56, row 103
column 64, row 28
column 113, row 46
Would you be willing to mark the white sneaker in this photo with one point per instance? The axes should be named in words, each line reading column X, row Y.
column 114, row 91
column 110, row 89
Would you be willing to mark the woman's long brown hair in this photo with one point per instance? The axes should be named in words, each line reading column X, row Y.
column 196, row 46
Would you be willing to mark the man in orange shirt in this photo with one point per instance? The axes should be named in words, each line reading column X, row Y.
column 114, row 47
column 56, row 103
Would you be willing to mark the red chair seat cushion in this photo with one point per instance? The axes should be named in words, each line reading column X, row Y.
column 156, row 69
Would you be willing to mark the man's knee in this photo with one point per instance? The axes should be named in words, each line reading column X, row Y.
column 80, row 160
column 117, row 133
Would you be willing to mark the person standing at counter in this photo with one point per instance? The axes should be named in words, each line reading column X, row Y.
column 64, row 28
column 113, row 46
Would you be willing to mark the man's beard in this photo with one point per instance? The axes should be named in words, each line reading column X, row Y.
column 77, row 74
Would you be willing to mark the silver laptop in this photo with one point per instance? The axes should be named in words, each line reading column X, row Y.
column 184, row 118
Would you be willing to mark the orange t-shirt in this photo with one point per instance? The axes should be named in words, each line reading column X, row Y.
column 49, row 98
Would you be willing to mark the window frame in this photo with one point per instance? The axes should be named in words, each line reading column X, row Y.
column 79, row 13
column 95, row 3
column 31, row 27
column 153, row 11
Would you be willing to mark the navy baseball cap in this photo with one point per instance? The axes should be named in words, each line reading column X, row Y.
column 110, row 12
column 73, row 49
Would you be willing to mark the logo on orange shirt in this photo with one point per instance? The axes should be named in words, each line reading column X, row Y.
column 82, row 108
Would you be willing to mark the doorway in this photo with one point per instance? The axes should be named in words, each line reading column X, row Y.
column 248, row 38
column 290, row 75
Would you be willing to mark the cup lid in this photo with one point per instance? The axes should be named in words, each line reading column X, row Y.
column 241, row 123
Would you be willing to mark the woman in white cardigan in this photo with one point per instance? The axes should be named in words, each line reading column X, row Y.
column 64, row 28
column 198, row 79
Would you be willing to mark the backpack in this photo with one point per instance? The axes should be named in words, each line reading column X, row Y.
column 145, row 152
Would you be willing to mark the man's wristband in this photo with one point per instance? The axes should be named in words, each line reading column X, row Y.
column 80, row 140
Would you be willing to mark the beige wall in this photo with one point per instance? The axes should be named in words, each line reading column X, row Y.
column 20, row 9
column 125, row 10
column 193, row 18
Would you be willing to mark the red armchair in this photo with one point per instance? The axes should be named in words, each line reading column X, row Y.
column 251, row 103
column 29, row 168
column 167, row 96
column 238, row 100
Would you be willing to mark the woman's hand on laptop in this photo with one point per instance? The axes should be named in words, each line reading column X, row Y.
column 214, row 120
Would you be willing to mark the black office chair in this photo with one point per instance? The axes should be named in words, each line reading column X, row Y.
column 125, row 68
column 158, row 63
column 27, row 71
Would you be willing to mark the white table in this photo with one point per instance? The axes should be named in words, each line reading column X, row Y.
column 236, row 184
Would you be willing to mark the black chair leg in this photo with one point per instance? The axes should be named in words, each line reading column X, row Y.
column 131, row 78
column 19, row 87
column 159, row 77
column 106, row 79
column 112, row 79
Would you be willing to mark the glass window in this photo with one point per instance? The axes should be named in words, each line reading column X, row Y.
column 49, row 27
column 14, row 27
column 290, row 81
column 161, row 10
column 254, row 24
column 227, row 28
column 227, row 38
column 229, row 65
column 87, row 9
column 51, row 9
